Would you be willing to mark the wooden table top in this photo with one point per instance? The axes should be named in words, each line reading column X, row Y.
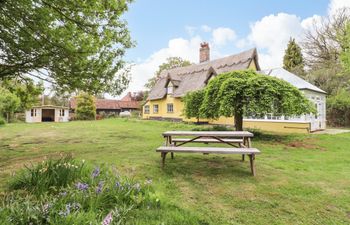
column 209, row 133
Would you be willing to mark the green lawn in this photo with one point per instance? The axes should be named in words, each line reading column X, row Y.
column 301, row 179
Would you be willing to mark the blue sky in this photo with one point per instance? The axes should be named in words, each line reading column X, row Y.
column 167, row 28
column 154, row 22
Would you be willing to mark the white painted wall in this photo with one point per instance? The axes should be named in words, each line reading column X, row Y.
column 37, row 118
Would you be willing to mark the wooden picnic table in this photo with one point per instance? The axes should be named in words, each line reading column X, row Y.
column 239, row 142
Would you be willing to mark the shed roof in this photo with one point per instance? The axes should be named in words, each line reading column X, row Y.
column 109, row 104
column 49, row 107
column 292, row 79
column 195, row 76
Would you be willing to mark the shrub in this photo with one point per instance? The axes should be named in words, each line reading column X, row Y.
column 338, row 109
column 89, row 196
column 2, row 121
column 86, row 108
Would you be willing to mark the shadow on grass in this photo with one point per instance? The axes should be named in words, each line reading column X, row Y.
column 210, row 166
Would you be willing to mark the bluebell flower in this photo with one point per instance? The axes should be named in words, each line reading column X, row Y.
column 96, row 172
column 99, row 187
column 82, row 186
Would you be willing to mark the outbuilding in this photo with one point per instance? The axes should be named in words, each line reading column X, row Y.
column 47, row 113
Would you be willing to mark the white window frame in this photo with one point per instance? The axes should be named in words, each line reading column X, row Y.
column 156, row 109
column 146, row 109
column 170, row 106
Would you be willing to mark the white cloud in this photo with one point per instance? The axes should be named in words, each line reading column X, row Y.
column 272, row 34
column 223, row 35
column 335, row 5
column 206, row 28
column 186, row 49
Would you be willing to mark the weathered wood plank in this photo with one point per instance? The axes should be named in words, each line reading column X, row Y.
column 213, row 150
column 207, row 140
column 209, row 133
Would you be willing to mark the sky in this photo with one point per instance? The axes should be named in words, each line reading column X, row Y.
column 169, row 28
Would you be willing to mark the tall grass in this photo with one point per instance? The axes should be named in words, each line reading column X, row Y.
column 48, row 176
column 65, row 191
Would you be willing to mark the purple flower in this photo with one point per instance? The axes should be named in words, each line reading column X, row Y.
column 108, row 219
column 96, row 172
column 82, row 186
column 63, row 193
column 99, row 187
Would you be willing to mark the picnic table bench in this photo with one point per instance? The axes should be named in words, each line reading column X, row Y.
column 239, row 143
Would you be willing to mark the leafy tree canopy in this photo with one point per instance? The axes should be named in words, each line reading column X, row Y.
column 76, row 45
column 86, row 108
column 293, row 59
column 25, row 89
column 171, row 63
column 9, row 103
column 242, row 93
column 345, row 53
column 192, row 104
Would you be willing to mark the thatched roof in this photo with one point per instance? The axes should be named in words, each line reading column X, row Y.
column 195, row 77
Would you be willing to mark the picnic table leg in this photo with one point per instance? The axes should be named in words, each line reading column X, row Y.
column 163, row 155
column 252, row 166
column 171, row 144
column 240, row 145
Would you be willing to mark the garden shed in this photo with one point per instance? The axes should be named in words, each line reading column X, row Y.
column 47, row 113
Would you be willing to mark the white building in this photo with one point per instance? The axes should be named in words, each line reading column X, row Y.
column 47, row 113
column 313, row 93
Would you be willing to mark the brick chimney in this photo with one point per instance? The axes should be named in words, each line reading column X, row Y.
column 204, row 52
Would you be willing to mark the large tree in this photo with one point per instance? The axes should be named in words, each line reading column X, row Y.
column 170, row 63
column 73, row 44
column 293, row 58
column 242, row 93
column 25, row 89
column 9, row 103
column 322, row 47
column 345, row 53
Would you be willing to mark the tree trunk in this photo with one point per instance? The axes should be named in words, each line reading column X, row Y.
column 7, row 117
column 239, row 121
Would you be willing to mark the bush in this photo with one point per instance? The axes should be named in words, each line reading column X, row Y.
column 86, row 196
column 86, row 108
column 2, row 121
column 338, row 109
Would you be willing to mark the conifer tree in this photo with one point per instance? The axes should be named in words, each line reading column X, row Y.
column 293, row 58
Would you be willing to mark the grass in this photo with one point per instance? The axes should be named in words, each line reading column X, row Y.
column 301, row 179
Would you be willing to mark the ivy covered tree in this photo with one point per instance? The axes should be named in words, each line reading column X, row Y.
column 171, row 63
column 345, row 53
column 86, row 108
column 9, row 103
column 75, row 45
column 293, row 58
column 192, row 104
column 241, row 93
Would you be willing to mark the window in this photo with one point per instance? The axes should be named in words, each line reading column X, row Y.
column 146, row 109
column 61, row 112
column 155, row 108
column 170, row 90
column 33, row 112
column 170, row 108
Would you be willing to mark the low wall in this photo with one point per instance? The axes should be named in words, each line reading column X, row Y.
column 278, row 126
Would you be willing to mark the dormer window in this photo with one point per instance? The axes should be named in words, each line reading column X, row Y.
column 170, row 90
